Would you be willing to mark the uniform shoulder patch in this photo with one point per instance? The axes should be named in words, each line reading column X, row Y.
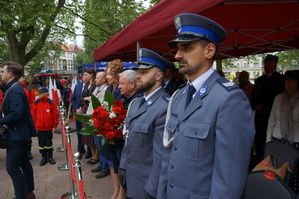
column 228, row 85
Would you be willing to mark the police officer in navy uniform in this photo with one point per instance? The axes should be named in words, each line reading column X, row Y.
column 142, row 154
column 209, row 128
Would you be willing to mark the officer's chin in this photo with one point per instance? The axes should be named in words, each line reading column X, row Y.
column 183, row 69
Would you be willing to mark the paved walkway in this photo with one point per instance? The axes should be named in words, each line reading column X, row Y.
column 50, row 183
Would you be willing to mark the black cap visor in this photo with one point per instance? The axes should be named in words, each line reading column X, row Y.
column 186, row 38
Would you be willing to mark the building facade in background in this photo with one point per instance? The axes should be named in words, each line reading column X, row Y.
column 253, row 66
column 65, row 62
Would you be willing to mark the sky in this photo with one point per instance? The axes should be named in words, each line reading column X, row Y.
column 80, row 39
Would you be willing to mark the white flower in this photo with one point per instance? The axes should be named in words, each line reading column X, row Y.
column 112, row 115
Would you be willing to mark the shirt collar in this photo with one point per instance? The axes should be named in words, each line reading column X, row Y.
column 151, row 94
column 199, row 81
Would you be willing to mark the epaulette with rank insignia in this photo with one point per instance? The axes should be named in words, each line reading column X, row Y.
column 227, row 84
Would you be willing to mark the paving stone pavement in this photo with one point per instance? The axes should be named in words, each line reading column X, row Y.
column 50, row 183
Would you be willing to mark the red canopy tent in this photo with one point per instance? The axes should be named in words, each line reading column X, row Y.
column 253, row 26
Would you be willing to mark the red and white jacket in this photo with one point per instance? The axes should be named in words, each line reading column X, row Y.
column 44, row 114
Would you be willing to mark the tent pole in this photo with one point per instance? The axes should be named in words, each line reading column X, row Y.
column 137, row 50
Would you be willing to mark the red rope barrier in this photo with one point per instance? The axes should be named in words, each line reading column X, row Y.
column 64, row 134
column 81, row 190
column 71, row 161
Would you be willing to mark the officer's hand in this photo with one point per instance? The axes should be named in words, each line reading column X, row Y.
column 122, row 177
column 53, row 130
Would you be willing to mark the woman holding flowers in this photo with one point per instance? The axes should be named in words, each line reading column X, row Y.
column 112, row 151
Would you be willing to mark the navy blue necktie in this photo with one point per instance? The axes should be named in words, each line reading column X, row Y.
column 190, row 92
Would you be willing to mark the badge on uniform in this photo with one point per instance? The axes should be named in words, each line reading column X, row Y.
column 149, row 102
column 203, row 90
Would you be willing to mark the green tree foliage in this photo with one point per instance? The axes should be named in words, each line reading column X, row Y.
column 28, row 28
column 81, row 58
column 103, row 19
column 154, row 2
column 288, row 60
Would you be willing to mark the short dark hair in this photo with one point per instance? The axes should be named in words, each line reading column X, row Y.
column 271, row 58
column 16, row 69
column 292, row 74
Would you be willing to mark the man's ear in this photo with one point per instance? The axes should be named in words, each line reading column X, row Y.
column 159, row 76
column 210, row 50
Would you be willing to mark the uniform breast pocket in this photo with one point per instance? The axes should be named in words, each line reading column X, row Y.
column 195, row 141
column 139, row 135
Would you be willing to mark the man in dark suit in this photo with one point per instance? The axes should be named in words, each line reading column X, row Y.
column 266, row 88
column 17, row 117
column 76, row 100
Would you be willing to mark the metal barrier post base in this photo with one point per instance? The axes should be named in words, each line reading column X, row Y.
column 63, row 167
column 69, row 195
column 60, row 149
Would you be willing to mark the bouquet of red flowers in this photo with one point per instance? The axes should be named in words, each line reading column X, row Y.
column 106, row 120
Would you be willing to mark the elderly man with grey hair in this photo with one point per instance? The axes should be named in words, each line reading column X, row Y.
column 128, row 86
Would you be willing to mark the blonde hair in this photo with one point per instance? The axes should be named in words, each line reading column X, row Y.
column 116, row 67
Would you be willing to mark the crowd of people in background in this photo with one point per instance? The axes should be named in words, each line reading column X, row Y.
column 182, row 123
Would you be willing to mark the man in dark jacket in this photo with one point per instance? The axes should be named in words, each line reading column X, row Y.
column 76, row 105
column 267, row 86
column 17, row 117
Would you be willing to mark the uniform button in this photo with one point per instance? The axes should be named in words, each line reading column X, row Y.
column 195, row 133
column 172, row 166
column 171, row 185
column 175, row 148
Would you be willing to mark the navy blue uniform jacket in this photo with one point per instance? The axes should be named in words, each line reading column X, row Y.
column 17, row 116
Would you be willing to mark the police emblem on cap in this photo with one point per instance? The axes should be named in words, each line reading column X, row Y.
column 140, row 52
column 177, row 22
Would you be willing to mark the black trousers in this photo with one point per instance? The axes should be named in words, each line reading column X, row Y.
column 261, row 123
column 80, row 146
column 19, row 168
column 45, row 140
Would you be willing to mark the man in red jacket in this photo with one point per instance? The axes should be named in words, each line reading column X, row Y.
column 45, row 118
